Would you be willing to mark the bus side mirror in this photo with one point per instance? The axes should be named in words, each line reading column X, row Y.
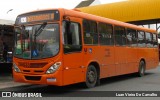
column 67, row 22
column 69, row 32
column 68, row 29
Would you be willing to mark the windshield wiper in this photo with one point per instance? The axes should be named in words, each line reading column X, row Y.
column 40, row 29
column 38, row 32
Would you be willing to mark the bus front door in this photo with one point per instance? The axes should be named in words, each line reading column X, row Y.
column 73, row 57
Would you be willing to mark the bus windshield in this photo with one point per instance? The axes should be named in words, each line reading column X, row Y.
column 36, row 42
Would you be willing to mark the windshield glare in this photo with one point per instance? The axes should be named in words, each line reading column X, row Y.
column 35, row 42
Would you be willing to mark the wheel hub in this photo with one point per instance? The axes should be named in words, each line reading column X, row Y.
column 91, row 76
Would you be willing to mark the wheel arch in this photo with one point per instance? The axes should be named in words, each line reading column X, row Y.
column 142, row 59
column 141, row 68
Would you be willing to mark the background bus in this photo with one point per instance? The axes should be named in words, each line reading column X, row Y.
column 62, row 47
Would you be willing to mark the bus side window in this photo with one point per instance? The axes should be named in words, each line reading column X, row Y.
column 90, row 32
column 120, row 35
column 149, row 39
column 105, row 34
column 72, row 38
column 141, row 39
column 131, row 37
column 155, row 43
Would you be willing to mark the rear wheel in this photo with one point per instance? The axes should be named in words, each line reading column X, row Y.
column 91, row 76
column 141, row 70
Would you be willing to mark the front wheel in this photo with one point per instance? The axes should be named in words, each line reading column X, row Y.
column 141, row 70
column 91, row 76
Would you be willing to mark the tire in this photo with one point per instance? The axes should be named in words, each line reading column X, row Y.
column 91, row 76
column 141, row 70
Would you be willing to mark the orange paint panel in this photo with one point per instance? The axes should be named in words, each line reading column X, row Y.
column 71, row 76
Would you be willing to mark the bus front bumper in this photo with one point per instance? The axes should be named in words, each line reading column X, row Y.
column 46, row 79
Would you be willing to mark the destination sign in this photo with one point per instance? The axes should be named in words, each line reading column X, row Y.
column 40, row 16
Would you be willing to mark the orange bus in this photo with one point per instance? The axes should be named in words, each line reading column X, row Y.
column 61, row 47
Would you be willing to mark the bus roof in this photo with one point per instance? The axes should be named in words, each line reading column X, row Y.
column 79, row 14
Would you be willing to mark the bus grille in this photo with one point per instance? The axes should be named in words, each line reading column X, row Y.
column 33, row 78
column 32, row 65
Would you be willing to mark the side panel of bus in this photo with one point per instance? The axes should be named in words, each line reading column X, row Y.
column 107, row 61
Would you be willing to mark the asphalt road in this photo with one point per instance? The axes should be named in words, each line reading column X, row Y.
column 150, row 82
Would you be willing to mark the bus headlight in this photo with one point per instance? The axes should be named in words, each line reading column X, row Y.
column 15, row 67
column 53, row 68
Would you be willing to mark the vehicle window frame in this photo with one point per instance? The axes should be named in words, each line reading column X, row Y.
column 123, row 36
column 80, row 39
column 155, row 40
column 111, row 35
column 132, row 37
column 33, row 25
column 149, row 39
column 95, row 41
column 143, row 39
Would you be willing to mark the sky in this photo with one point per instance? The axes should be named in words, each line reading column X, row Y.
column 22, row 6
